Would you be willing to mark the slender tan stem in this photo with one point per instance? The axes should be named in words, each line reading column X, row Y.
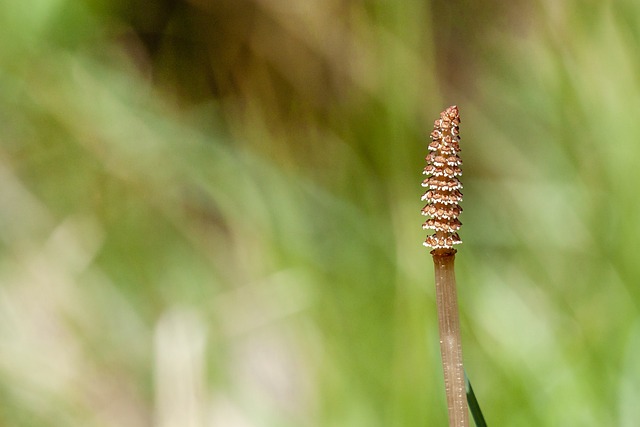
column 450, row 338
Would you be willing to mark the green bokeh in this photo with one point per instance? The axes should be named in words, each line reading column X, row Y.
column 209, row 211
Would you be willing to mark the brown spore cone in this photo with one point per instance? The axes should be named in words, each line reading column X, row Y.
column 443, row 196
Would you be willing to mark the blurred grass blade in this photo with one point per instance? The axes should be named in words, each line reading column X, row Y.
column 474, row 407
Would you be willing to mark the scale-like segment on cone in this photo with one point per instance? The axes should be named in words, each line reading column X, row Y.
column 443, row 169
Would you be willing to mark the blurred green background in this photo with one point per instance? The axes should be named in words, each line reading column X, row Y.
column 209, row 211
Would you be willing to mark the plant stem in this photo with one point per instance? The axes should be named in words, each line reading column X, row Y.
column 450, row 338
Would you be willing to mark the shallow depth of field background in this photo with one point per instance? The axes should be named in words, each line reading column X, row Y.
column 209, row 211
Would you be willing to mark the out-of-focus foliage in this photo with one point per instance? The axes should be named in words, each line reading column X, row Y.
column 209, row 211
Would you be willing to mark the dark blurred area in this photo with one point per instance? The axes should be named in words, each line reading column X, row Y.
column 299, row 58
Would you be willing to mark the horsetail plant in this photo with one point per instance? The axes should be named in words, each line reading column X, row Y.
column 443, row 197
